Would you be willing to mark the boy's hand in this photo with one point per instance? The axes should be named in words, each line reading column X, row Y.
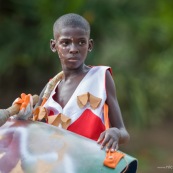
column 26, row 106
column 110, row 139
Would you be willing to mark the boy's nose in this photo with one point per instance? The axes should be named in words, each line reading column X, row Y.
column 74, row 49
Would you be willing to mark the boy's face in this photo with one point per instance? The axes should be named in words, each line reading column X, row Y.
column 72, row 45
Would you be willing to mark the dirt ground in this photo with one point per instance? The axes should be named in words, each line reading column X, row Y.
column 152, row 147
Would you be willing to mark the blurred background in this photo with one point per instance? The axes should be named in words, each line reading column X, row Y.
column 134, row 37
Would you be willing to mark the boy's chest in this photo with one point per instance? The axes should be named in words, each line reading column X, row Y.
column 65, row 92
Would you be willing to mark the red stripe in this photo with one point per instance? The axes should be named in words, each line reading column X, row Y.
column 88, row 125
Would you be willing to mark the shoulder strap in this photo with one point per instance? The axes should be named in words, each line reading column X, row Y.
column 106, row 118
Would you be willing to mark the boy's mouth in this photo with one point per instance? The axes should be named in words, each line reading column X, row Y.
column 73, row 59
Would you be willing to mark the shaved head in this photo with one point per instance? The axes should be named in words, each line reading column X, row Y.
column 71, row 20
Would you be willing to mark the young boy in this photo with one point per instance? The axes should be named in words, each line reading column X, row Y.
column 83, row 90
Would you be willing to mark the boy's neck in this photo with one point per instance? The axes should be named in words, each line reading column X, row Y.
column 75, row 72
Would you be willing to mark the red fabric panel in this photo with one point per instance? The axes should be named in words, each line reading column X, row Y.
column 51, row 113
column 88, row 125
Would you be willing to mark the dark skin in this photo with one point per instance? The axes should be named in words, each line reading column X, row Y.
column 72, row 46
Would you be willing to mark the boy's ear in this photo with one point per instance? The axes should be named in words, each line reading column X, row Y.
column 91, row 44
column 52, row 45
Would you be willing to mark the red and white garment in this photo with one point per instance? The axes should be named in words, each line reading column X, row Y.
column 85, row 121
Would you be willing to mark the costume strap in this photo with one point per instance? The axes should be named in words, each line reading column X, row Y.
column 106, row 118
column 112, row 157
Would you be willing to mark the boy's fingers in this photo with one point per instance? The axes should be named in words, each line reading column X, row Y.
column 105, row 141
column 109, row 144
column 102, row 135
column 114, row 146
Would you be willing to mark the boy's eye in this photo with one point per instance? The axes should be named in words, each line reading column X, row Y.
column 64, row 42
column 82, row 42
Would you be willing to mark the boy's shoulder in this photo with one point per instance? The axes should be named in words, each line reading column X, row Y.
column 104, row 68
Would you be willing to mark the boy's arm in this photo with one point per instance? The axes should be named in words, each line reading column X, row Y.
column 117, row 134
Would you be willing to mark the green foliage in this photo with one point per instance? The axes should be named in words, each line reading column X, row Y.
column 133, row 37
